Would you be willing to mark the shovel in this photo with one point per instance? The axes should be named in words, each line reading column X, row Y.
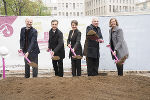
column 54, row 57
column 29, row 62
column 93, row 36
column 75, row 56
column 117, row 61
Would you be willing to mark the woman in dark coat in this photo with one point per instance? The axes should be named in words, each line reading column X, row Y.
column 118, row 44
column 74, row 42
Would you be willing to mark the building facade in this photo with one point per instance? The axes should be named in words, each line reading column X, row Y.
column 109, row 7
column 143, row 6
column 65, row 7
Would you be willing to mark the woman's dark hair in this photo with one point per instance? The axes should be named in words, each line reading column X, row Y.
column 75, row 22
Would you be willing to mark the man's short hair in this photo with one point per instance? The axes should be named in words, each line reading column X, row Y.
column 54, row 21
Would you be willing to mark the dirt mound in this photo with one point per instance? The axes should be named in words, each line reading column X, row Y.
column 76, row 88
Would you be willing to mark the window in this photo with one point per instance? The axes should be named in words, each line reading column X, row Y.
column 77, row 13
column 132, row 8
column 123, row 1
column 63, row 14
column 63, row 5
column 117, row 8
column 59, row 13
column 104, row 10
column 73, row 5
column 113, row 8
column 70, row 13
column 74, row 14
column 109, row 8
column 120, row 8
column 66, row 13
column 101, row 10
column 66, row 5
column 97, row 11
column 77, row 5
column 55, row 8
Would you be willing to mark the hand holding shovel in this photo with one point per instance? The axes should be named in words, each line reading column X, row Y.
column 117, row 61
column 52, row 56
column 116, row 58
column 29, row 62
column 75, row 56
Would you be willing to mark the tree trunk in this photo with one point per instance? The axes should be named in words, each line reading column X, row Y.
column 5, row 7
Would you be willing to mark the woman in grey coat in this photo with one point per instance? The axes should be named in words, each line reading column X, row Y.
column 118, row 44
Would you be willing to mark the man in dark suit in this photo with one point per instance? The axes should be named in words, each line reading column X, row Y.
column 92, row 52
column 56, row 45
column 29, row 46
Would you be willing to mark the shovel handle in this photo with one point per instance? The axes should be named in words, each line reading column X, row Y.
column 50, row 53
column 116, row 58
column 24, row 56
column 72, row 51
column 3, row 68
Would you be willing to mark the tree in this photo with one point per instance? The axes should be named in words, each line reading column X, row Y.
column 24, row 8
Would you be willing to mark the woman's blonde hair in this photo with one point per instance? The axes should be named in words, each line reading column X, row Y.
column 115, row 20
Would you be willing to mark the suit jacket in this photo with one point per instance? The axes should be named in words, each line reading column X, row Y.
column 74, row 40
column 91, row 47
column 56, row 43
column 118, row 42
column 33, row 47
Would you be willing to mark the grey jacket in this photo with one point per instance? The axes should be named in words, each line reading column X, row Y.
column 118, row 42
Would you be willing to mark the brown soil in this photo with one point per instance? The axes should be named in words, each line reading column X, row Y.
column 76, row 88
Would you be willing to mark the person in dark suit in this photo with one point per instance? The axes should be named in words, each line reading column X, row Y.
column 29, row 46
column 56, row 44
column 91, row 49
column 118, row 44
column 73, row 41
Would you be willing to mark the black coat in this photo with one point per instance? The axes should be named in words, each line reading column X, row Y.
column 92, row 45
column 33, row 47
column 56, row 43
column 75, row 42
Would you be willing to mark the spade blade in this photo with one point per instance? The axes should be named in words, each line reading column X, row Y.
column 55, row 57
column 77, row 57
column 33, row 64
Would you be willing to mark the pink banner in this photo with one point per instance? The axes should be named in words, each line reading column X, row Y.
column 5, row 25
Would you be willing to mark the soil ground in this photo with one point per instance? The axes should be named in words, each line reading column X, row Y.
column 110, row 87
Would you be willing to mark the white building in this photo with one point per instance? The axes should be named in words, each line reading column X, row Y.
column 143, row 6
column 65, row 7
column 109, row 7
